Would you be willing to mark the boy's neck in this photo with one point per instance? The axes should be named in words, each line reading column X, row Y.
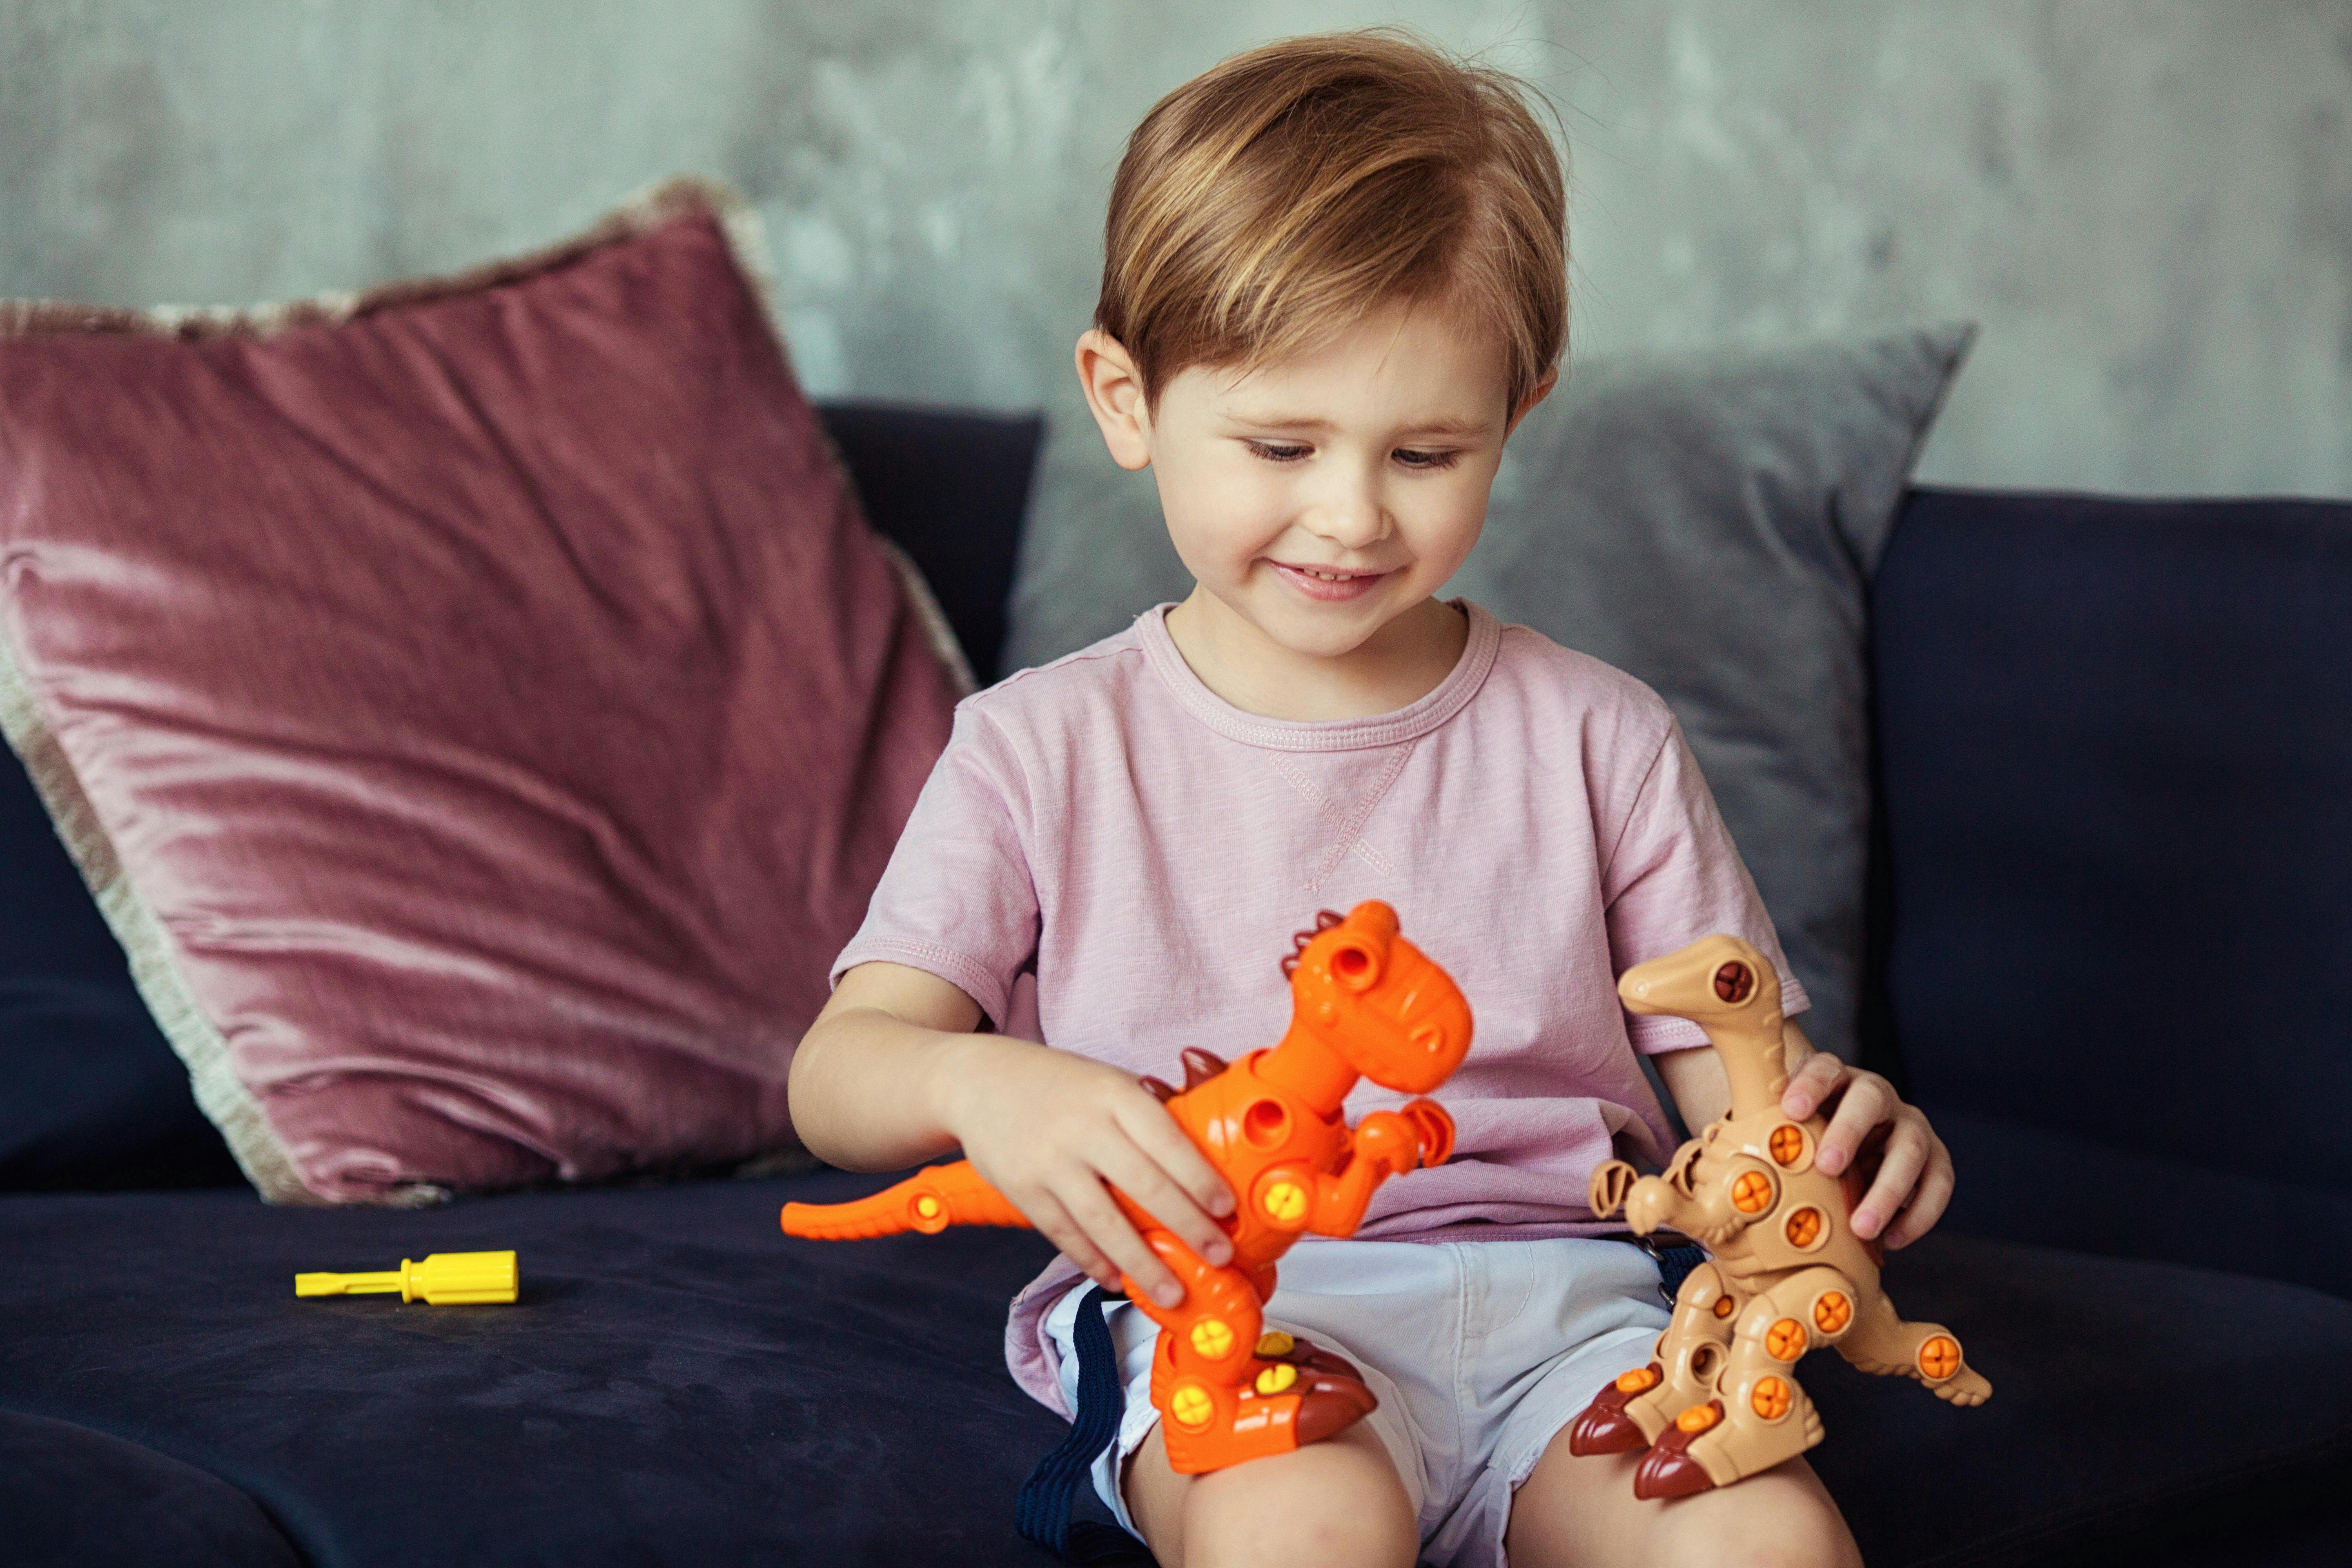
column 1404, row 661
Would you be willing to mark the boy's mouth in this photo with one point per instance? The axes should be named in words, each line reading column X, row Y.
column 1327, row 584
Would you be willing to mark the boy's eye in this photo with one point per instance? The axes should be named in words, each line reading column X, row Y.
column 1279, row 451
column 1414, row 459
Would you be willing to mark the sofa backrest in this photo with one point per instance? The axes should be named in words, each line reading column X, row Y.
column 2115, row 754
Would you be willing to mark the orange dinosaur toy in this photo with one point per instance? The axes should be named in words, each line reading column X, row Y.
column 1364, row 1002
column 1721, row 1401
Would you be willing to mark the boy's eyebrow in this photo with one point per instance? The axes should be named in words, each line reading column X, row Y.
column 1439, row 425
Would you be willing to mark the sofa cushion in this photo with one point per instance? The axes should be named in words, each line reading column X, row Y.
column 680, row 1382
column 1707, row 521
column 103, row 1103
column 2115, row 742
column 480, row 706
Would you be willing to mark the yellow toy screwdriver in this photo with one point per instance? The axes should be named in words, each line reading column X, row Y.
column 444, row 1280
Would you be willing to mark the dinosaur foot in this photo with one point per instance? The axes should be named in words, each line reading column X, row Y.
column 1966, row 1387
column 1606, row 1426
column 1296, row 1395
column 1670, row 1469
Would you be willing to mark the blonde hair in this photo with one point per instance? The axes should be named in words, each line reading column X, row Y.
column 1275, row 200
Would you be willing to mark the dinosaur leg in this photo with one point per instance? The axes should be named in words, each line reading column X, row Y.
column 1221, row 1397
column 1881, row 1341
column 1757, row 1417
column 1627, row 1415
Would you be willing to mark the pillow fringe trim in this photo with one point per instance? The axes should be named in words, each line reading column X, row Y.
column 220, row 1094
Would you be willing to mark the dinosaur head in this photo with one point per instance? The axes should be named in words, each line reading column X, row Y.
column 1378, row 1000
column 1731, row 990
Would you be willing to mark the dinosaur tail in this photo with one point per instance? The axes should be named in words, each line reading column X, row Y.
column 929, row 1201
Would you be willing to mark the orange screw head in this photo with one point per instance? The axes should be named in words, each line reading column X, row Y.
column 1636, row 1380
column 1698, row 1418
column 1804, row 1227
column 1785, row 1339
column 1725, row 1307
column 1939, row 1357
column 1752, row 1192
column 1833, row 1312
column 1788, row 1144
column 1771, row 1399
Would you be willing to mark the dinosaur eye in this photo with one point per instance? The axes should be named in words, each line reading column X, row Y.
column 1734, row 983
column 1430, row 1038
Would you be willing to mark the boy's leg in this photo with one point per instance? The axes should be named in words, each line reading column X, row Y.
column 1582, row 1512
column 1337, row 1501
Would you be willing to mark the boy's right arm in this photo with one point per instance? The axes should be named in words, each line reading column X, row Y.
column 891, row 1074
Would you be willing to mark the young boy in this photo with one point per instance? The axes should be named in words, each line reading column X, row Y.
column 1335, row 280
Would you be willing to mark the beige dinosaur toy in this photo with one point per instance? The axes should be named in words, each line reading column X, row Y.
column 1721, row 1401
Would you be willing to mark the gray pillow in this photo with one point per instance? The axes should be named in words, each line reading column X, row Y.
column 1707, row 521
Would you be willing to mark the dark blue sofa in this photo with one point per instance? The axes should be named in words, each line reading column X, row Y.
column 2113, row 943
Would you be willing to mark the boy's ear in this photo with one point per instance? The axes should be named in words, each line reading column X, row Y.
column 1537, row 393
column 1114, row 390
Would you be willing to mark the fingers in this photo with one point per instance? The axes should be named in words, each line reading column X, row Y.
column 1155, row 1132
column 1867, row 1100
column 1908, row 1148
column 1107, row 1231
column 1134, row 1172
column 1811, row 1086
column 1928, row 1199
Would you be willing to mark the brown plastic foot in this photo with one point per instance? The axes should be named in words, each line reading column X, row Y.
column 1332, row 1408
column 1604, row 1427
column 1669, row 1470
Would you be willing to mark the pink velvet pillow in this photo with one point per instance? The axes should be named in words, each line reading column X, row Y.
column 478, row 706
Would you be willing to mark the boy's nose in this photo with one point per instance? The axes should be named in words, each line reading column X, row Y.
column 1352, row 519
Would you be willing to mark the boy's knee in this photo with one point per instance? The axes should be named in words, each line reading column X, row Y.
column 1336, row 1502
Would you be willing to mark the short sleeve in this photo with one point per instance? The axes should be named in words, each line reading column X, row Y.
column 957, row 898
column 1672, row 877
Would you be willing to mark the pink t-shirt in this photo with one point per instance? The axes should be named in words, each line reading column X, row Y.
column 1148, row 850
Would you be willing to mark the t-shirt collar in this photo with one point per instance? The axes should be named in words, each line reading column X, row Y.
column 1410, row 722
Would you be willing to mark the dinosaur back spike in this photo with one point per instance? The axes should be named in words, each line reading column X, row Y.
column 1159, row 1091
column 1200, row 1066
column 929, row 1201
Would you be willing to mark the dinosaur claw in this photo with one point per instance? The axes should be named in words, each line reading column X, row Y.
column 1604, row 1427
column 1669, row 1469
column 1600, row 1431
column 1326, row 1410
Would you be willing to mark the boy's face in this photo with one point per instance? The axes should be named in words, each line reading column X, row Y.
column 1319, row 498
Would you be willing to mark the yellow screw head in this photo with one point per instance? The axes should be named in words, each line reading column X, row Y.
column 1286, row 1202
column 1213, row 1338
column 928, row 1206
column 1275, row 1343
column 1277, row 1377
column 1191, row 1408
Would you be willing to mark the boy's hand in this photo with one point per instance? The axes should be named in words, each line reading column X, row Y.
column 1915, row 1182
column 1049, row 1128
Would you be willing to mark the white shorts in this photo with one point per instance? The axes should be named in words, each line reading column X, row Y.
column 1479, row 1352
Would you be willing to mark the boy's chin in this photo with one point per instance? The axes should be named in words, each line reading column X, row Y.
column 1319, row 631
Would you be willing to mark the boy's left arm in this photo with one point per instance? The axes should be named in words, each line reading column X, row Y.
column 1914, row 1179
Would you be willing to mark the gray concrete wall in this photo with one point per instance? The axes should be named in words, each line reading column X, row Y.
column 2147, row 203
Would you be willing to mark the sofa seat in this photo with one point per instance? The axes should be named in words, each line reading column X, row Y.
column 682, row 1384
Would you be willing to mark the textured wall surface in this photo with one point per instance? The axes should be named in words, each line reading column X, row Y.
column 2147, row 203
